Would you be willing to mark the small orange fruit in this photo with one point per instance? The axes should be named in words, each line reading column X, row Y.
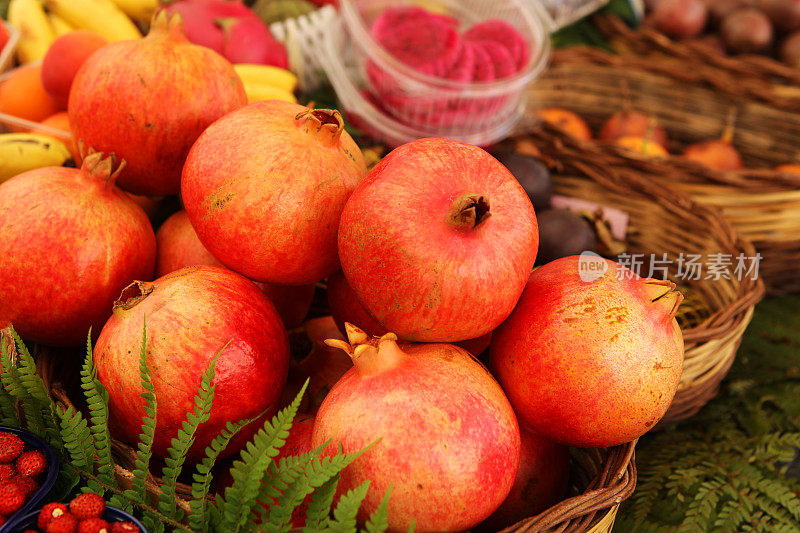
column 22, row 95
column 567, row 121
column 642, row 146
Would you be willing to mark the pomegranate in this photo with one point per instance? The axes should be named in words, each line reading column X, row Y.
column 178, row 247
column 629, row 123
column 324, row 365
column 193, row 314
column 72, row 241
column 269, row 207
column 148, row 99
column 438, row 242
column 590, row 363
column 541, row 481
column 452, row 453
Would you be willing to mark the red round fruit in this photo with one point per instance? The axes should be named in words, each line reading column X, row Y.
column 178, row 247
column 147, row 100
column 590, row 357
column 192, row 314
column 680, row 19
column 73, row 240
column 449, row 452
column 63, row 59
column 717, row 154
column 269, row 207
column 324, row 365
column 633, row 124
column 438, row 241
column 541, row 481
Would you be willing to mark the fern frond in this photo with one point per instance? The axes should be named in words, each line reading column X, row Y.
column 318, row 513
column 346, row 511
column 248, row 471
column 379, row 520
column 730, row 517
column 144, row 452
column 203, row 475
column 97, row 400
column 176, row 455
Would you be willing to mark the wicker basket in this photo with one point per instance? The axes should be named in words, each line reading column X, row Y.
column 716, row 312
column 692, row 91
column 601, row 478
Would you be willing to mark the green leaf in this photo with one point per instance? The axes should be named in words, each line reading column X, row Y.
column 176, row 455
column 379, row 520
column 346, row 511
column 97, row 401
column 319, row 508
column 138, row 492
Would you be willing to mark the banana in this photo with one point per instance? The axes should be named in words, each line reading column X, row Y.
column 138, row 10
column 20, row 152
column 100, row 16
column 268, row 75
column 36, row 34
column 60, row 26
column 256, row 93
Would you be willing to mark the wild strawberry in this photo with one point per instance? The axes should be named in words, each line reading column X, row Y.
column 65, row 523
column 93, row 525
column 7, row 471
column 87, row 505
column 2, row 520
column 49, row 512
column 124, row 527
column 31, row 463
column 12, row 498
column 27, row 484
column 10, row 447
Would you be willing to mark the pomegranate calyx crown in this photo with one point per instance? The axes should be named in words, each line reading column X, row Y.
column 370, row 355
column 664, row 293
column 132, row 295
column 165, row 24
column 101, row 166
column 470, row 210
column 327, row 124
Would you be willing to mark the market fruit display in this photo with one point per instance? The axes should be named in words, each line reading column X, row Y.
column 461, row 442
column 177, row 246
column 81, row 238
column 590, row 357
column 438, row 247
column 193, row 315
column 147, row 100
column 269, row 208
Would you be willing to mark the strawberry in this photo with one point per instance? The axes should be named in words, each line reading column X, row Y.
column 12, row 498
column 124, row 527
column 49, row 512
column 65, row 523
column 2, row 520
column 93, row 525
column 28, row 485
column 31, row 463
column 87, row 505
column 10, row 447
column 7, row 471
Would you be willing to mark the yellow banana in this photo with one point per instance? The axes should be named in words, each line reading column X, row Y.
column 138, row 10
column 100, row 16
column 60, row 26
column 36, row 34
column 20, row 152
column 256, row 93
column 251, row 74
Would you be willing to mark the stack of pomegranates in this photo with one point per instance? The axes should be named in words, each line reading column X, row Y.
column 428, row 259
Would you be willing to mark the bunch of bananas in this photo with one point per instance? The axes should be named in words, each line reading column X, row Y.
column 41, row 21
column 265, row 82
column 20, row 152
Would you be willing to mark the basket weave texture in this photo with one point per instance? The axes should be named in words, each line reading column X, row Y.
column 692, row 92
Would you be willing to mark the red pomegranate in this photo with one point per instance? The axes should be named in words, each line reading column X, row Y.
column 178, row 247
column 71, row 241
column 269, row 207
column 438, row 241
column 541, row 481
column 324, row 365
column 192, row 315
column 147, row 100
column 449, row 452
column 590, row 357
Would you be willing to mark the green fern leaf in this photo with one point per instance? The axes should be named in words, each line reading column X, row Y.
column 247, row 472
column 9, row 415
column 203, row 475
column 176, row 455
column 318, row 513
column 346, row 511
column 77, row 438
column 144, row 452
column 97, row 400
column 379, row 520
